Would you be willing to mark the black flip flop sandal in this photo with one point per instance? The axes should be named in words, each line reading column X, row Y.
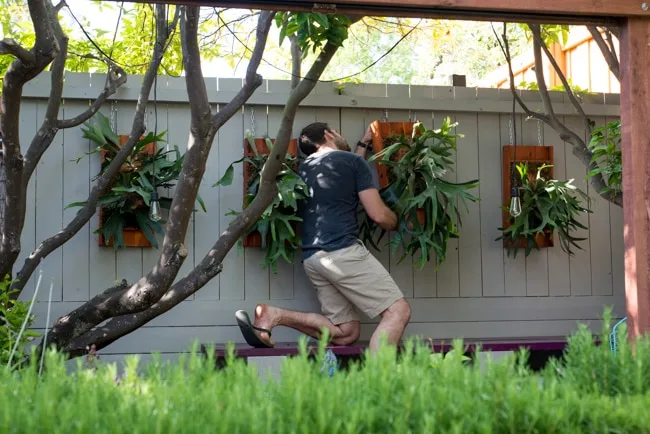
column 250, row 331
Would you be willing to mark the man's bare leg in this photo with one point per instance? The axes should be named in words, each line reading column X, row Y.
column 311, row 324
column 392, row 324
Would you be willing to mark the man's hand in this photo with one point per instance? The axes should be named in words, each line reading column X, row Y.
column 367, row 137
column 367, row 140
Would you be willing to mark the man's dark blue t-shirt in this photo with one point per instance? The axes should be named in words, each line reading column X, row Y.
column 329, row 216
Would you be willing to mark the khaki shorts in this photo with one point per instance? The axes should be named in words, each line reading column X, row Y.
column 351, row 277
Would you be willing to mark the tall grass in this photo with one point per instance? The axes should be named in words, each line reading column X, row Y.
column 591, row 391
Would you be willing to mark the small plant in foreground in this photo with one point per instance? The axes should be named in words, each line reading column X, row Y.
column 13, row 313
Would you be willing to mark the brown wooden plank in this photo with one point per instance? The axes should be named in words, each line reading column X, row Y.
column 635, row 94
column 566, row 11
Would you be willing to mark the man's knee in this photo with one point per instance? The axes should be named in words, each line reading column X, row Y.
column 350, row 333
column 400, row 311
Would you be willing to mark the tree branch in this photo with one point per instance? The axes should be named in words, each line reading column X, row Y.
column 537, row 36
column 505, row 47
column 580, row 148
column 252, row 80
column 296, row 61
column 607, row 48
column 10, row 46
column 211, row 264
column 104, row 181
column 115, row 78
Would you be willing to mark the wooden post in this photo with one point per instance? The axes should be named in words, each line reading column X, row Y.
column 635, row 109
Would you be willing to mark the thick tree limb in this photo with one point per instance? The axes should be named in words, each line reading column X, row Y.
column 48, row 129
column 10, row 46
column 20, row 72
column 608, row 50
column 152, row 287
column 104, row 181
column 211, row 264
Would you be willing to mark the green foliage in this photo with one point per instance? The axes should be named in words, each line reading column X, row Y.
column 127, row 204
column 591, row 369
column 547, row 205
column 13, row 314
column 277, row 223
column 133, row 44
column 577, row 90
column 605, row 146
column 385, row 393
column 313, row 30
column 416, row 184
column 551, row 33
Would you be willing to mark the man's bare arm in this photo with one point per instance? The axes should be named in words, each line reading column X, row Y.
column 377, row 209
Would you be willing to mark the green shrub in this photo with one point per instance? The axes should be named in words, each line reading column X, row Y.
column 595, row 369
column 12, row 316
column 384, row 394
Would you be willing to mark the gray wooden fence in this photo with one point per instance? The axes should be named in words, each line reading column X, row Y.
column 478, row 292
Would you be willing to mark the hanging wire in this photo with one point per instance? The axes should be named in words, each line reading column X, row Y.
column 246, row 47
column 513, row 139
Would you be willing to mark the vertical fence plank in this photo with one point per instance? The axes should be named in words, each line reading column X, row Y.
column 49, row 209
column 302, row 286
column 492, row 252
column 156, row 123
column 371, row 115
column 281, row 283
column 600, row 239
column 150, row 255
column 257, row 281
column 580, row 261
column 448, row 279
column 514, row 268
column 402, row 273
column 469, row 244
column 232, row 281
column 537, row 263
column 102, row 259
column 76, row 187
column 129, row 259
column 559, row 277
column 425, row 284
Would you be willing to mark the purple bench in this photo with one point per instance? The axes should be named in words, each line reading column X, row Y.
column 546, row 343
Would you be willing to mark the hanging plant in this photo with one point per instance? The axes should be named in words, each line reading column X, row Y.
column 125, row 208
column 426, row 205
column 547, row 206
column 276, row 227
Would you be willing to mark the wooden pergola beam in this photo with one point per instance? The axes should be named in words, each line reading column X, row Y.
column 535, row 11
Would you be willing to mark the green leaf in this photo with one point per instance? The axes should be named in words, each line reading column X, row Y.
column 228, row 175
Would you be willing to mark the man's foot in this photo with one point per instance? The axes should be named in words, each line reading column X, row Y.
column 265, row 318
